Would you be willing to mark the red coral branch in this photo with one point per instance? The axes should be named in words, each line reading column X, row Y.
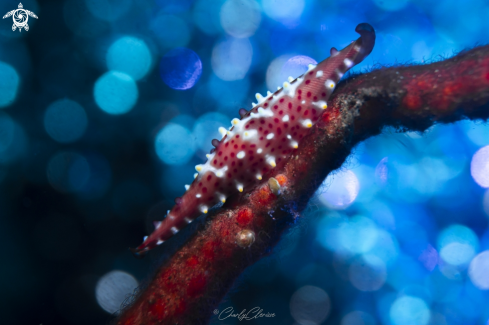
column 191, row 284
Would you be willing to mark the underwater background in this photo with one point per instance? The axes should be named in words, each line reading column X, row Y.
column 106, row 106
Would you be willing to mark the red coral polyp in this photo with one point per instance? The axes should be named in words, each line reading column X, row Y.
column 244, row 217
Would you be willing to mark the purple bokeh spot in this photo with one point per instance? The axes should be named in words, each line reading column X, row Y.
column 296, row 66
column 479, row 167
column 382, row 171
column 429, row 258
column 180, row 68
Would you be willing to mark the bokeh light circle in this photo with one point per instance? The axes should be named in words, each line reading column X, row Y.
column 80, row 19
column 240, row 18
column 206, row 15
column 457, row 253
column 206, row 128
column 65, row 120
column 386, row 247
column 100, row 177
column 227, row 94
column 479, row 271
column 68, row 171
column 358, row 318
column 328, row 230
column 13, row 140
column 296, row 66
column 7, row 132
column 231, row 58
column 310, row 305
column 342, row 191
column 479, row 167
column 129, row 55
column 457, row 244
column 180, row 68
column 115, row 92
column 274, row 75
column 108, row 10
column 174, row 144
column 477, row 132
column 358, row 234
column 283, row 10
column 170, row 31
column 408, row 310
column 368, row 273
column 113, row 288
column 9, row 84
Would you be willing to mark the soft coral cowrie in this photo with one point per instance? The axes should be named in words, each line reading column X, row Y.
column 261, row 139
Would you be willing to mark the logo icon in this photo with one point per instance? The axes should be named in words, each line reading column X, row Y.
column 20, row 17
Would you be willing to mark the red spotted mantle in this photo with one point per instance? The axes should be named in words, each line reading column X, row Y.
column 262, row 139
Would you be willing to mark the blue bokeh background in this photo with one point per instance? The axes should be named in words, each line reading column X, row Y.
column 106, row 106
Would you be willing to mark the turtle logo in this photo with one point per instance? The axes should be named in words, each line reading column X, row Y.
column 20, row 17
